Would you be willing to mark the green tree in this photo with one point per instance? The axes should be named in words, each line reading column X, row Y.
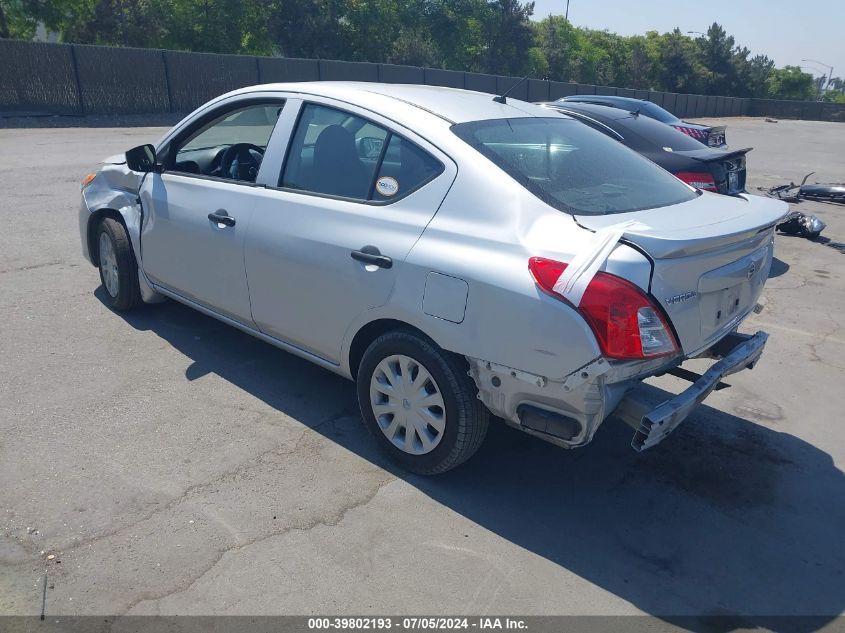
column 372, row 27
column 790, row 82
column 679, row 69
column 752, row 74
column 643, row 62
column 558, row 41
column 16, row 19
column 307, row 28
column 414, row 47
column 716, row 53
column 457, row 29
column 571, row 54
column 509, row 37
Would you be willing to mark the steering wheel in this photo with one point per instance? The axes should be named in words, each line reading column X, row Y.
column 241, row 161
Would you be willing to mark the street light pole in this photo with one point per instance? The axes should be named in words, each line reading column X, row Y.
column 829, row 74
column 566, row 17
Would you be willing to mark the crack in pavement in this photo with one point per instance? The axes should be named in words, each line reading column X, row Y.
column 31, row 267
column 256, row 461
column 329, row 517
column 333, row 520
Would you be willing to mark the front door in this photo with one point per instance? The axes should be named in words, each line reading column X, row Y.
column 198, row 209
column 326, row 243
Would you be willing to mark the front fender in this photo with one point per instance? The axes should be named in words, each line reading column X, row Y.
column 113, row 190
column 103, row 197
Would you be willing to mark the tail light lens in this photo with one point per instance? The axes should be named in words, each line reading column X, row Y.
column 699, row 180
column 627, row 325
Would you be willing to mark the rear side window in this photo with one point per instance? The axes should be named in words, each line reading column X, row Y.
column 340, row 154
column 572, row 167
column 405, row 167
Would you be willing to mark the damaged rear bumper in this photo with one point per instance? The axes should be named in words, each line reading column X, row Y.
column 654, row 417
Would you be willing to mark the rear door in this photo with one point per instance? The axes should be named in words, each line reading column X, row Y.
column 711, row 257
column 326, row 243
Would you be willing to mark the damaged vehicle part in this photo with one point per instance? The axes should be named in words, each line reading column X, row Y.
column 802, row 225
column 823, row 192
column 452, row 254
column 648, row 410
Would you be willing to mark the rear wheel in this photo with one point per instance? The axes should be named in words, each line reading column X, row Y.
column 419, row 403
column 118, row 268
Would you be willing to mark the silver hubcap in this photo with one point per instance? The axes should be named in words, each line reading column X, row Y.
column 108, row 264
column 407, row 405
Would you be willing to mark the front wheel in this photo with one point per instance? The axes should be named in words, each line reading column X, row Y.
column 419, row 403
column 118, row 268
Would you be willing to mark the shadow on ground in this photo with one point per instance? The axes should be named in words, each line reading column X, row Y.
column 727, row 518
column 779, row 267
column 819, row 239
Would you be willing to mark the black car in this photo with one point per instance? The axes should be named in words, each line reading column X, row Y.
column 707, row 168
column 709, row 135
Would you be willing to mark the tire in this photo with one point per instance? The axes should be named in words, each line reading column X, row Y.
column 440, row 410
column 118, row 268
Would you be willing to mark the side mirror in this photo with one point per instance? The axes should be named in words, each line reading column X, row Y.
column 142, row 158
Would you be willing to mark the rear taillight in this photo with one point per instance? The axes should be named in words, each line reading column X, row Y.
column 624, row 320
column 699, row 180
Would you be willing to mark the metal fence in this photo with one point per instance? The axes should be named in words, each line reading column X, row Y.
column 38, row 78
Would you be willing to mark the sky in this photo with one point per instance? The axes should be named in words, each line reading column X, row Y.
column 785, row 31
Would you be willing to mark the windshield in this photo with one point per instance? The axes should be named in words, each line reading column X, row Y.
column 572, row 167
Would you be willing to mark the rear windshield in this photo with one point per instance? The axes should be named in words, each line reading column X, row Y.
column 659, row 134
column 572, row 167
column 647, row 108
column 655, row 112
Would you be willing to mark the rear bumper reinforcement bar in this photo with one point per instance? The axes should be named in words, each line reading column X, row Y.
column 653, row 416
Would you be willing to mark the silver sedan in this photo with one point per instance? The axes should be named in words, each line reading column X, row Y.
column 456, row 255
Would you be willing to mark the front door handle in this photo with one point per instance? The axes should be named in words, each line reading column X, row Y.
column 372, row 255
column 221, row 216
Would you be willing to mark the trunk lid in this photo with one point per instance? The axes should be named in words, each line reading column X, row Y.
column 711, row 257
column 727, row 167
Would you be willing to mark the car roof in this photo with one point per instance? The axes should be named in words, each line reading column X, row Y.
column 648, row 108
column 623, row 122
column 627, row 101
column 598, row 111
column 454, row 105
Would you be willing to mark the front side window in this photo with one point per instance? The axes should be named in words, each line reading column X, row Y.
column 572, row 167
column 231, row 146
column 340, row 154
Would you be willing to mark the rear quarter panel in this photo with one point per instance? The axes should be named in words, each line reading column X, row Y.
column 484, row 234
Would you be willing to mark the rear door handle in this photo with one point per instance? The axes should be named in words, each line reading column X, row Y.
column 221, row 216
column 372, row 255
